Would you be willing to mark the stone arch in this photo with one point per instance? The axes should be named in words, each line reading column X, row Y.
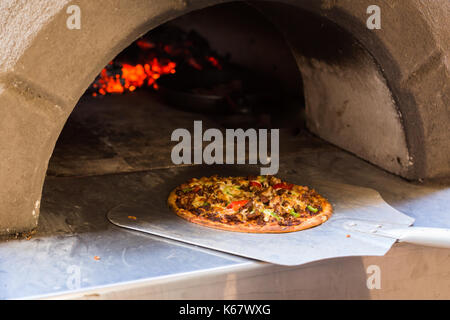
column 45, row 68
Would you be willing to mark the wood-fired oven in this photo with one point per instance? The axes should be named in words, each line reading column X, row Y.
column 87, row 115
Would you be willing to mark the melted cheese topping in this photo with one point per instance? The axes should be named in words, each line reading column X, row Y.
column 260, row 199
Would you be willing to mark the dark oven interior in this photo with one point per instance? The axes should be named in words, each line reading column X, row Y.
column 228, row 70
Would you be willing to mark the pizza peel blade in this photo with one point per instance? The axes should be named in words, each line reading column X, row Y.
column 332, row 239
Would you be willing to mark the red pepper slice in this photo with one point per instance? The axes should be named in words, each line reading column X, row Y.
column 286, row 186
column 255, row 184
column 235, row 205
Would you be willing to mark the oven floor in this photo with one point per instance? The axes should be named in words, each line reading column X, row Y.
column 129, row 133
column 77, row 253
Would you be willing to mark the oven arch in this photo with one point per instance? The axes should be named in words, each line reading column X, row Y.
column 44, row 73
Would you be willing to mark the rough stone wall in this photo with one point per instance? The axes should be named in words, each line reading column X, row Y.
column 348, row 101
column 412, row 50
column 45, row 68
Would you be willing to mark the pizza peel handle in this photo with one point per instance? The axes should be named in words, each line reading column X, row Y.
column 433, row 237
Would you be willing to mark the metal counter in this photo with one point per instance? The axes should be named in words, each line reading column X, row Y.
column 77, row 253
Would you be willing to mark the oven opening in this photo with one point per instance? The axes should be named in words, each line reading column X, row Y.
column 227, row 66
column 234, row 66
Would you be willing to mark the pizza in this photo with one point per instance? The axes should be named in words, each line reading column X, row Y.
column 257, row 204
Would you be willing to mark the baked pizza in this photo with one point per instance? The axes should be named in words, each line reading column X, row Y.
column 258, row 204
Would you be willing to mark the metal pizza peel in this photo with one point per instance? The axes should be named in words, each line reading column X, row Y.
column 362, row 224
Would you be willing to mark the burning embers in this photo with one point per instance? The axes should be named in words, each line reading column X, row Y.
column 164, row 51
column 118, row 78
column 190, row 76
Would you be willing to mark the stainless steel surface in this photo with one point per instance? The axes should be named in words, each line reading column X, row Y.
column 73, row 229
column 50, row 265
column 328, row 240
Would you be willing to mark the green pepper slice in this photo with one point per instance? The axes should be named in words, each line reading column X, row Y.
column 293, row 213
column 273, row 214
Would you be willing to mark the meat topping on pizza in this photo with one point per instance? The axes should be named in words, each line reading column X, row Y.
column 258, row 200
